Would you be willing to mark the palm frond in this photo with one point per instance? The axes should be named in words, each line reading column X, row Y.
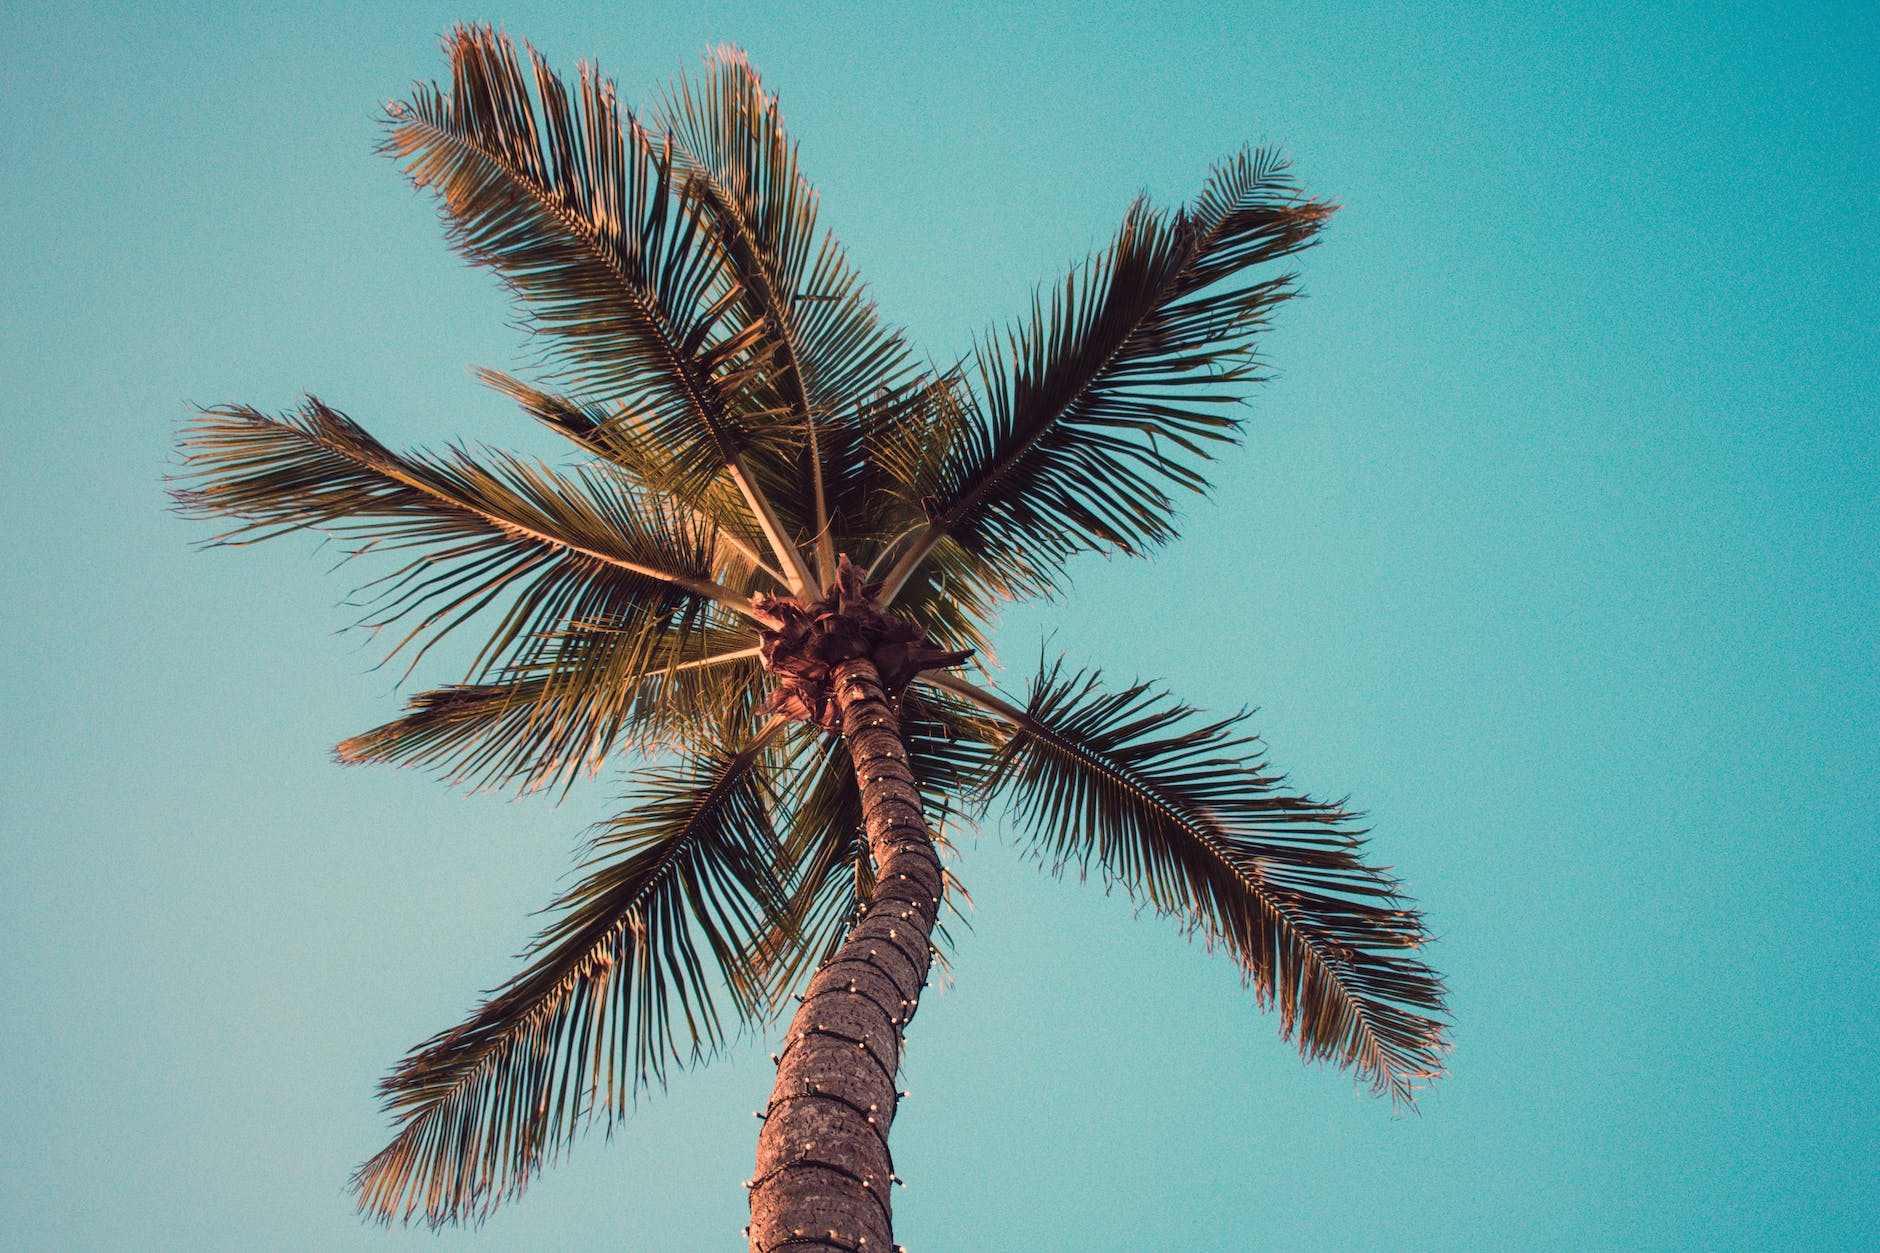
column 561, row 191
column 531, row 546
column 1114, row 389
column 822, row 350
column 559, row 714
column 952, row 594
column 828, row 870
column 625, row 441
column 1181, row 813
column 624, row 984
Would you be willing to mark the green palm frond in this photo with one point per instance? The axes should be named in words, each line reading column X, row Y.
column 559, row 714
column 952, row 594
column 1114, row 389
column 522, row 542
column 623, row 985
column 827, row 867
column 625, row 441
column 562, row 192
column 832, row 353
column 952, row 599
column 1180, row 812
column 822, row 350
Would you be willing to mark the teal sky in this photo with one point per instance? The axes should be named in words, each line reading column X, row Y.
column 1553, row 544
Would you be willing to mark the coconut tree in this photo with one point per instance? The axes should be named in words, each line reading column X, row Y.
column 778, row 541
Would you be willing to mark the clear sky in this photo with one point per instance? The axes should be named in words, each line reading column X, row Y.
column 1553, row 545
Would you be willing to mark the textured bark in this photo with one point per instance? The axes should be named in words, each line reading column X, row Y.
column 823, row 1167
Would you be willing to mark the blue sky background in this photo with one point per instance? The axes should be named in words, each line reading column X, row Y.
column 1553, row 545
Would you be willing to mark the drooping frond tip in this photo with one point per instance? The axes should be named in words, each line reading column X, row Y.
column 1114, row 392
column 679, row 893
column 1182, row 814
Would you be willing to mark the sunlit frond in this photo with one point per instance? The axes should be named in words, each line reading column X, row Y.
column 624, row 984
column 952, row 594
column 528, row 546
column 586, row 694
column 625, row 441
column 822, row 350
column 1181, row 813
column 1114, row 389
column 561, row 191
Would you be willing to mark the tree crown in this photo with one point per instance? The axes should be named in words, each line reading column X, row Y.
column 745, row 426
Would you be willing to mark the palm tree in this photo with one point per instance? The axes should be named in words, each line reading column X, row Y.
column 780, row 539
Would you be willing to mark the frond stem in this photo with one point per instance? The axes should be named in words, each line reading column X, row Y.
column 724, row 207
column 988, row 701
column 707, row 588
column 699, row 663
column 942, row 525
column 874, row 567
column 760, row 507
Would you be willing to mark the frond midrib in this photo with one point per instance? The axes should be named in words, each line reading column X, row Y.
column 575, row 227
column 528, row 396
column 764, row 514
column 493, row 1051
column 707, row 588
column 779, row 311
column 950, row 517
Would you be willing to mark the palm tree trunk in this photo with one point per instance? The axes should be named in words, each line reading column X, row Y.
column 823, row 1168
